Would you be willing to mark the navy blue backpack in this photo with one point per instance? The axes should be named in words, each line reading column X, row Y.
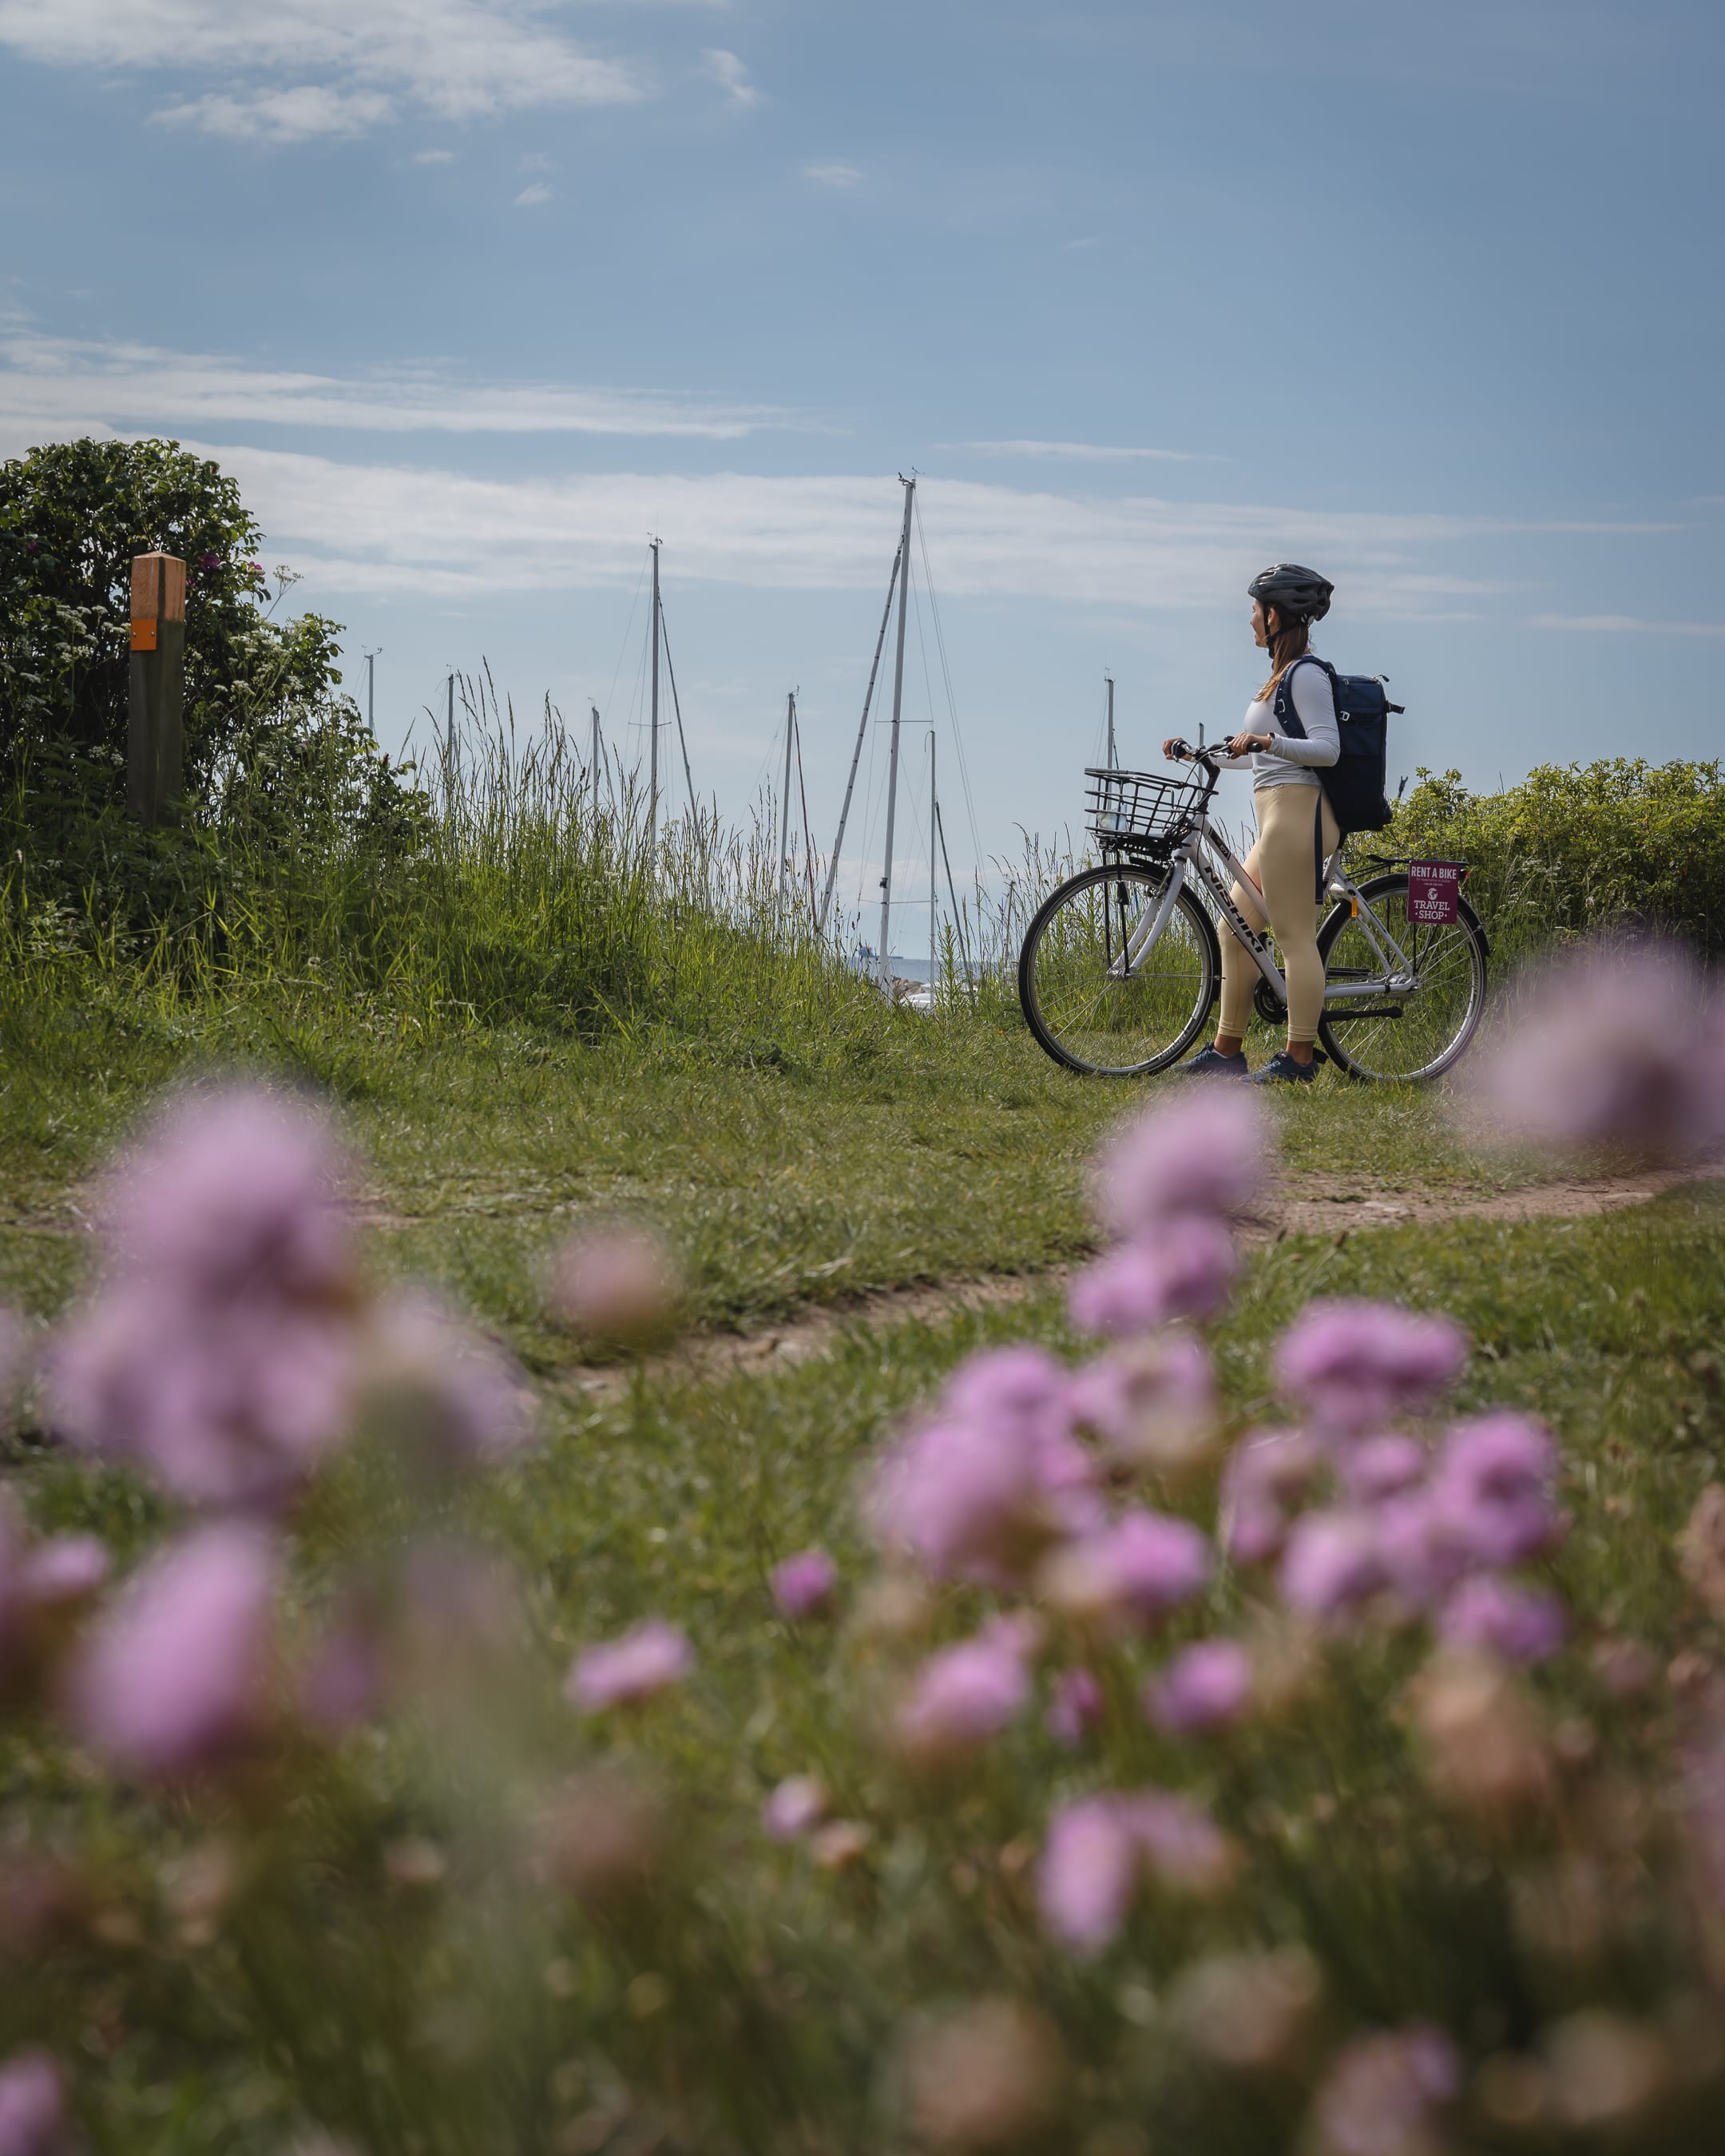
column 1355, row 782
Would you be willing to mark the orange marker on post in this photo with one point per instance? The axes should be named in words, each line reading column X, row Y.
column 158, row 685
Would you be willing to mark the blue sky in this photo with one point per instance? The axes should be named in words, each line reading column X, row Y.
column 474, row 294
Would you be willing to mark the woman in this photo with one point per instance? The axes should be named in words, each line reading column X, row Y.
column 1296, row 827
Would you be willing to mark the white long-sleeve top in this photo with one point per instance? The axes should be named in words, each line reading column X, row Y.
column 1296, row 763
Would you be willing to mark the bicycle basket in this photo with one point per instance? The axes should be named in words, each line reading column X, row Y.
column 1137, row 807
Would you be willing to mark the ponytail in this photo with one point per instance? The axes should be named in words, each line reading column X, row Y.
column 1291, row 641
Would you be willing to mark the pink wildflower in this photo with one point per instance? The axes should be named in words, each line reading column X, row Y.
column 1088, row 1874
column 1381, row 2093
column 967, row 1693
column 1207, row 1685
column 1520, row 1624
column 977, row 1492
column 1074, row 1708
column 175, row 1676
column 1492, row 1489
column 218, row 1351
column 1353, row 1365
column 34, row 2117
column 645, row 1660
column 1268, row 1476
column 1183, row 1848
column 459, row 1398
column 1204, row 1154
column 1613, row 1048
column 803, row 1585
column 615, row 1284
column 1333, row 1561
column 1183, row 1268
column 1133, row 1572
column 795, row 1808
column 1380, row 1467
column 1152, row 1402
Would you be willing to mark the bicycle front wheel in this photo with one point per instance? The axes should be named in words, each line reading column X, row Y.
column 1416, row 1032
column 1098, row 998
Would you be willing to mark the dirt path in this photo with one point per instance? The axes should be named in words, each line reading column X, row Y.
column 713, row 1356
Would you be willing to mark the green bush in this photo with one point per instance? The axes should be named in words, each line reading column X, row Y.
column 1576, row 848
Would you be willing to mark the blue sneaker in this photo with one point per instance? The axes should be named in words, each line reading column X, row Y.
column 1211, row 1064
column 1281, row 1069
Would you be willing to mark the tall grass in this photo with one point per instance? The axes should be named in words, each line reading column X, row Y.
column 525, row 890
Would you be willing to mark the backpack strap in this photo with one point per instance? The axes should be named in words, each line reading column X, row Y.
column 1282, row 710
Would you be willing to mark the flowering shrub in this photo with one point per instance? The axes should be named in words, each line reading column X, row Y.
column 1168, row 1779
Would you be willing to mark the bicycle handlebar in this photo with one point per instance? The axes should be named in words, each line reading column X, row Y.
column 1182, row 751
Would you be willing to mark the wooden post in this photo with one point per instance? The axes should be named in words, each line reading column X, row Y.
column 158, row 685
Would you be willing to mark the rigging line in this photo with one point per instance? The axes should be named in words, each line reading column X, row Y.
column 940, row 639
column 688, row 776
column 863, row 727
column 633, row 604
column 802, row 788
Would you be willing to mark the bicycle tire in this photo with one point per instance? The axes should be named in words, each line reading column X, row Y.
column 1115, row 1029
column 1377, row 1043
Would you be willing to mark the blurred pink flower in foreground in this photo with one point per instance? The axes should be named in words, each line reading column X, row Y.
column 1491, row 1491
column 1100, row 1849
column 1332, row 1562
column 616, row 1284
column 1129, row 1574
column 648, row 1660
column 1354, row 1365
column 33, row 2118
column 795, row 1808
column 1207, row 1685
column 175, row 1676
column 459, row 1397
column 803, row 1585
column 1381, row 2093
column 997, row 1473
column 1268, row 1476
column 968, row 1693
column 1075, row 1708
column 218, row 1352
column 1180, row 1268
column 1612, row 1047
column 1521, row 1624
column 1152, row 1402
column 1205, row 1154
column 40, row 1580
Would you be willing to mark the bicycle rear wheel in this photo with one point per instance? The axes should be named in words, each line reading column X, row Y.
column 1085, row 1010
column 1415, row 1034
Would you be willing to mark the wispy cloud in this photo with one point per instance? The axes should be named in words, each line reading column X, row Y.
column 374, row 528
column 1624, row 625
column 1094, row 453
column 530, row 196
column 58, row 386
column 731, row 75
column 833, row 175
column 433, row 156
column 323, row 68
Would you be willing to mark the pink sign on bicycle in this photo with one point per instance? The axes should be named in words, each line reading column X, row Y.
column 1434, row 892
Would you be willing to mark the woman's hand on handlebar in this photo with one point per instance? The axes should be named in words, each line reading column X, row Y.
column 1180, row 752
column 1245, row 744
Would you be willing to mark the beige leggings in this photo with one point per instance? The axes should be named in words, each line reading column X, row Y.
column 1284, row 863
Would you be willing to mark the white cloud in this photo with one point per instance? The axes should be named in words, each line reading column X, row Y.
column 1081, row 452
column 530, row 196
column 58, row 386
column 281, row 115
column 1624, row 625
column 731, row 75
column 433, row 156
column 389, row 530
column 349, row 63
column 1077, row 246
column 833, row 176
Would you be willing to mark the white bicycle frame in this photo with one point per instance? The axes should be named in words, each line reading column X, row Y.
column 1188, row 859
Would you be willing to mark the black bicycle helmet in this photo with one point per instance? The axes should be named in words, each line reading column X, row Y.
column 1297, row 594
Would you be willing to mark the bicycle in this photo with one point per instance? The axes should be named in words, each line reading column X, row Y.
column 1121, row 965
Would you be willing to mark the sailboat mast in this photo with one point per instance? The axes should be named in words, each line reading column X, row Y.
column 1109, row 679
column 653, row 752
column 826, row 897
column 898, row 701
column 784, row 806
column 934, row 948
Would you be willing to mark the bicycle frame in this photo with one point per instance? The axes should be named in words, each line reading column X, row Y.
column 1197, row 856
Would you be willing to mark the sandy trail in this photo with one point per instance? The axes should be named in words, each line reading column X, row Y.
column 711, row 1356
